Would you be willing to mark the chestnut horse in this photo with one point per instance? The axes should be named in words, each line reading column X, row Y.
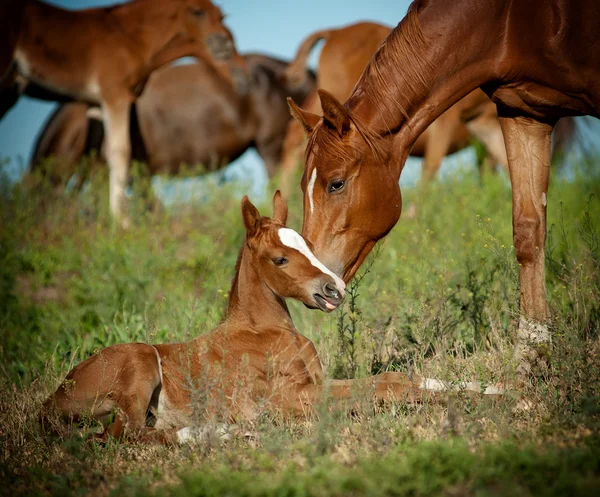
column 537, row 61
column 255, row 357
column 105, row 55
column 186, row 115
column 344, row 55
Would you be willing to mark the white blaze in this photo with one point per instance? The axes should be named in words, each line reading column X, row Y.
column 293, row 240
column 311, row 187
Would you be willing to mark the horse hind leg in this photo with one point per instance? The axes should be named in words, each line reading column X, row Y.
column 114, row 387
column 487, row 130
column 439, row 135
column 528, row 152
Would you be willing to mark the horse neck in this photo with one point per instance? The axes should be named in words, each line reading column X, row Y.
column 252, row 304
column 420, row 70
column 151, row 22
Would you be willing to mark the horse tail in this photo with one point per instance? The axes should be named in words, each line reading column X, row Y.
column 295, row 74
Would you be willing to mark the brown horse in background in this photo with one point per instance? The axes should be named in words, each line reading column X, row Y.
column 537, row 61
column 105, row 55
column 187, row 115
column 255, row 360
column 344, row 55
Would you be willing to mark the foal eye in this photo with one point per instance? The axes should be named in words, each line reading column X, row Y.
column 279, row 261
column 335, row 186
column 197, row 12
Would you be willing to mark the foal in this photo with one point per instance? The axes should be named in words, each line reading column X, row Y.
column 254, row 358
column 105, row 55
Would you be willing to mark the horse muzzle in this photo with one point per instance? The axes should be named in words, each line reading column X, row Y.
column 328, row 298
column 220, row 47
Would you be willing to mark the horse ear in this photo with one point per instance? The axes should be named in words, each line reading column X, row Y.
column 280, row 209
column 308, row 120
column 334, row 112
column 250, row 215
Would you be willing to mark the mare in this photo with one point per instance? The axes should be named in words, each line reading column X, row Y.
column 104, row 56
column 538, row 61
column 255, row 357
column 186, row 115
column 344, row 55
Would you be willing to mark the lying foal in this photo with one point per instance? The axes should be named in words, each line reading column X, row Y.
column 254, row 358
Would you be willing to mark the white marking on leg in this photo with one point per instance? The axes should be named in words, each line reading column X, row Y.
column 492, row 390
column 433, row 385
column 311, row 187
column 544, row 199
column 185, row 435
column 293, row 240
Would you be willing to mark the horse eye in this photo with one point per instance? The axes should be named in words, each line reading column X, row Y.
column 197, row 12
column 335, row 186
column 279, row 261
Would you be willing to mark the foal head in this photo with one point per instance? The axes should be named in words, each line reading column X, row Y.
column 351, row 197
column 204, row 21
column 285, row 263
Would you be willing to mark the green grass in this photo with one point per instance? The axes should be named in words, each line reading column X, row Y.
column 440, row 299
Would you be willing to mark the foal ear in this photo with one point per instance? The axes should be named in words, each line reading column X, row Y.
column 280, row 209
column 334, row 112
column 250, row 215
column 308, row 120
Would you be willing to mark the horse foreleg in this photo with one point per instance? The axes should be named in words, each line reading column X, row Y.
column 528, row 151
column 118, row 153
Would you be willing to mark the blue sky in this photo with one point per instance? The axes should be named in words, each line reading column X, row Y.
column 272, row 26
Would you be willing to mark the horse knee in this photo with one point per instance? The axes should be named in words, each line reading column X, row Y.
column 528, row 238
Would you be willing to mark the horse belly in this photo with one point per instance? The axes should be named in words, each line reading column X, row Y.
column 540, row 101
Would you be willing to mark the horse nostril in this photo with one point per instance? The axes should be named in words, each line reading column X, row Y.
column 330, row 290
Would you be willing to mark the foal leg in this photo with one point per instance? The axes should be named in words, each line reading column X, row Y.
column 118, row 154
column 528, row 150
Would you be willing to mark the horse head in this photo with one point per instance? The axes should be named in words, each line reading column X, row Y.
column 204, row 21
column 284, row 261
column 351, row 197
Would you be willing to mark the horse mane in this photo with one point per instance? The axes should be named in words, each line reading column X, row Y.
column 398, row 70
column 331, row 147
column 396, row 73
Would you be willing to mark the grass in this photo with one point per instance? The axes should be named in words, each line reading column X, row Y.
column 440, row 299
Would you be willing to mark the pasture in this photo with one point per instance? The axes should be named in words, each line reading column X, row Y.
column 438, row 298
